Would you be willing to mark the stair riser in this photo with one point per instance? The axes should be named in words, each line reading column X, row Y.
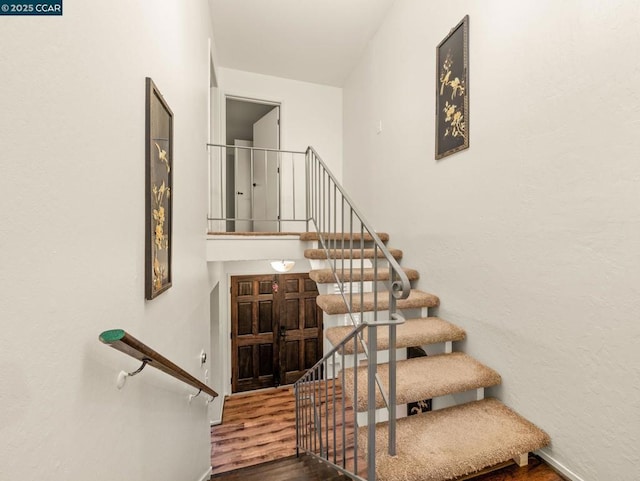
column 346, row 275
column 343, row 236
column 327, row 264
column 430, row 333
column 321, row 254
column 338, row 244
column 335, row 304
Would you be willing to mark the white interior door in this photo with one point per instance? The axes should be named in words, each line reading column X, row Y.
column 266, row 134
column 242, row 158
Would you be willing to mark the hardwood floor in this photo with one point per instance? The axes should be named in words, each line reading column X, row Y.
column 536, row 470
column 303, row 468
column 259, row 427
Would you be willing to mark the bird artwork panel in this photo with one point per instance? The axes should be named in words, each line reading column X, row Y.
column 159, row 193
column 452, row 91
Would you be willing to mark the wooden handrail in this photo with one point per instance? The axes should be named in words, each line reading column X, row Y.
column 124, row 342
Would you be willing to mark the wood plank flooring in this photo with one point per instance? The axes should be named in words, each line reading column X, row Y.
column 536, row 470
column 303, row 468
column 259, row 427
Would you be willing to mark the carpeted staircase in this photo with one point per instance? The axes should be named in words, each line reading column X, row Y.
column 443, row 444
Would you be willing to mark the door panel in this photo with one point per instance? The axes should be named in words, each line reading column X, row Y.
column 253, row 312
column 265, row 317
column 292, row 355
column 300, row 326
column 312, row 353
column 243, row 186
column 290, row 319
column 245, row 318
column 245, row 362
column 276, row 329
column 311, row 318
column 266, row 134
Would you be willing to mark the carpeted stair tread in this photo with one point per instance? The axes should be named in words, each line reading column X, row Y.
column 356, row 253
column 452, row 442
column 334, row 304
column 424, row 378
column 339, row 236
column 326, row 276
column 414, row 332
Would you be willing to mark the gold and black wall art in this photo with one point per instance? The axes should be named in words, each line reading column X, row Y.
column 159, row 192
column 452, row 91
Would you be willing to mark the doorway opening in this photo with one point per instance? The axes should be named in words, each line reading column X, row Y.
column 253, row 187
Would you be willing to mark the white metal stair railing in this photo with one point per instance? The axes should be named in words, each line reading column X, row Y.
column 344, row 234
column 325, row 424
column 305, row 191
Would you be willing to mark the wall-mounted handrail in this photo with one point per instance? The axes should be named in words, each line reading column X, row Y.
column 125, row 342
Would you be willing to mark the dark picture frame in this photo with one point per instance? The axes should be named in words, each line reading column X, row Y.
column 452, row 91
column 158, row 191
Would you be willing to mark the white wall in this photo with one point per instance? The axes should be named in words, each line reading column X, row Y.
column 218, row 342
column 72, row 136
column 531, row 237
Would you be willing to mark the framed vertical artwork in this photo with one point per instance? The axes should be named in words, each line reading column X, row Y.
column 158, row 191
column 452, row 91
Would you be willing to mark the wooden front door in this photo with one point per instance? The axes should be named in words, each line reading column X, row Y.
column 276, row 329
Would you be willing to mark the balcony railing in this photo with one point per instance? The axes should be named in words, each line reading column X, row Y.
column 256, row 189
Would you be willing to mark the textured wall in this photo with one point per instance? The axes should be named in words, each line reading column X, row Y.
column 531, row 236
column 72, row 152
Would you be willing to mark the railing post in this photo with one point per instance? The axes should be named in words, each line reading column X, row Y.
column 392, row 368
column 251, row 174
column 295, row 393
column 278, row 190
column 307, row 175
column 318, row 408
column 371, row 402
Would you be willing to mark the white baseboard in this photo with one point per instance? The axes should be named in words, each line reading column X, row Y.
column 217, row 417
column 561, row 468
column 207, row 475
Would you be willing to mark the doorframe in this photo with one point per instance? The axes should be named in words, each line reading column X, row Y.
column 223, row 95
column 228, row 328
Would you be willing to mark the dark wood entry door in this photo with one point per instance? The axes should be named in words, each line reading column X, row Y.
column 276, row 329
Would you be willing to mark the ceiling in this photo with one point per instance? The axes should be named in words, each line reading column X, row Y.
column 316, row 41
column 241, row 116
